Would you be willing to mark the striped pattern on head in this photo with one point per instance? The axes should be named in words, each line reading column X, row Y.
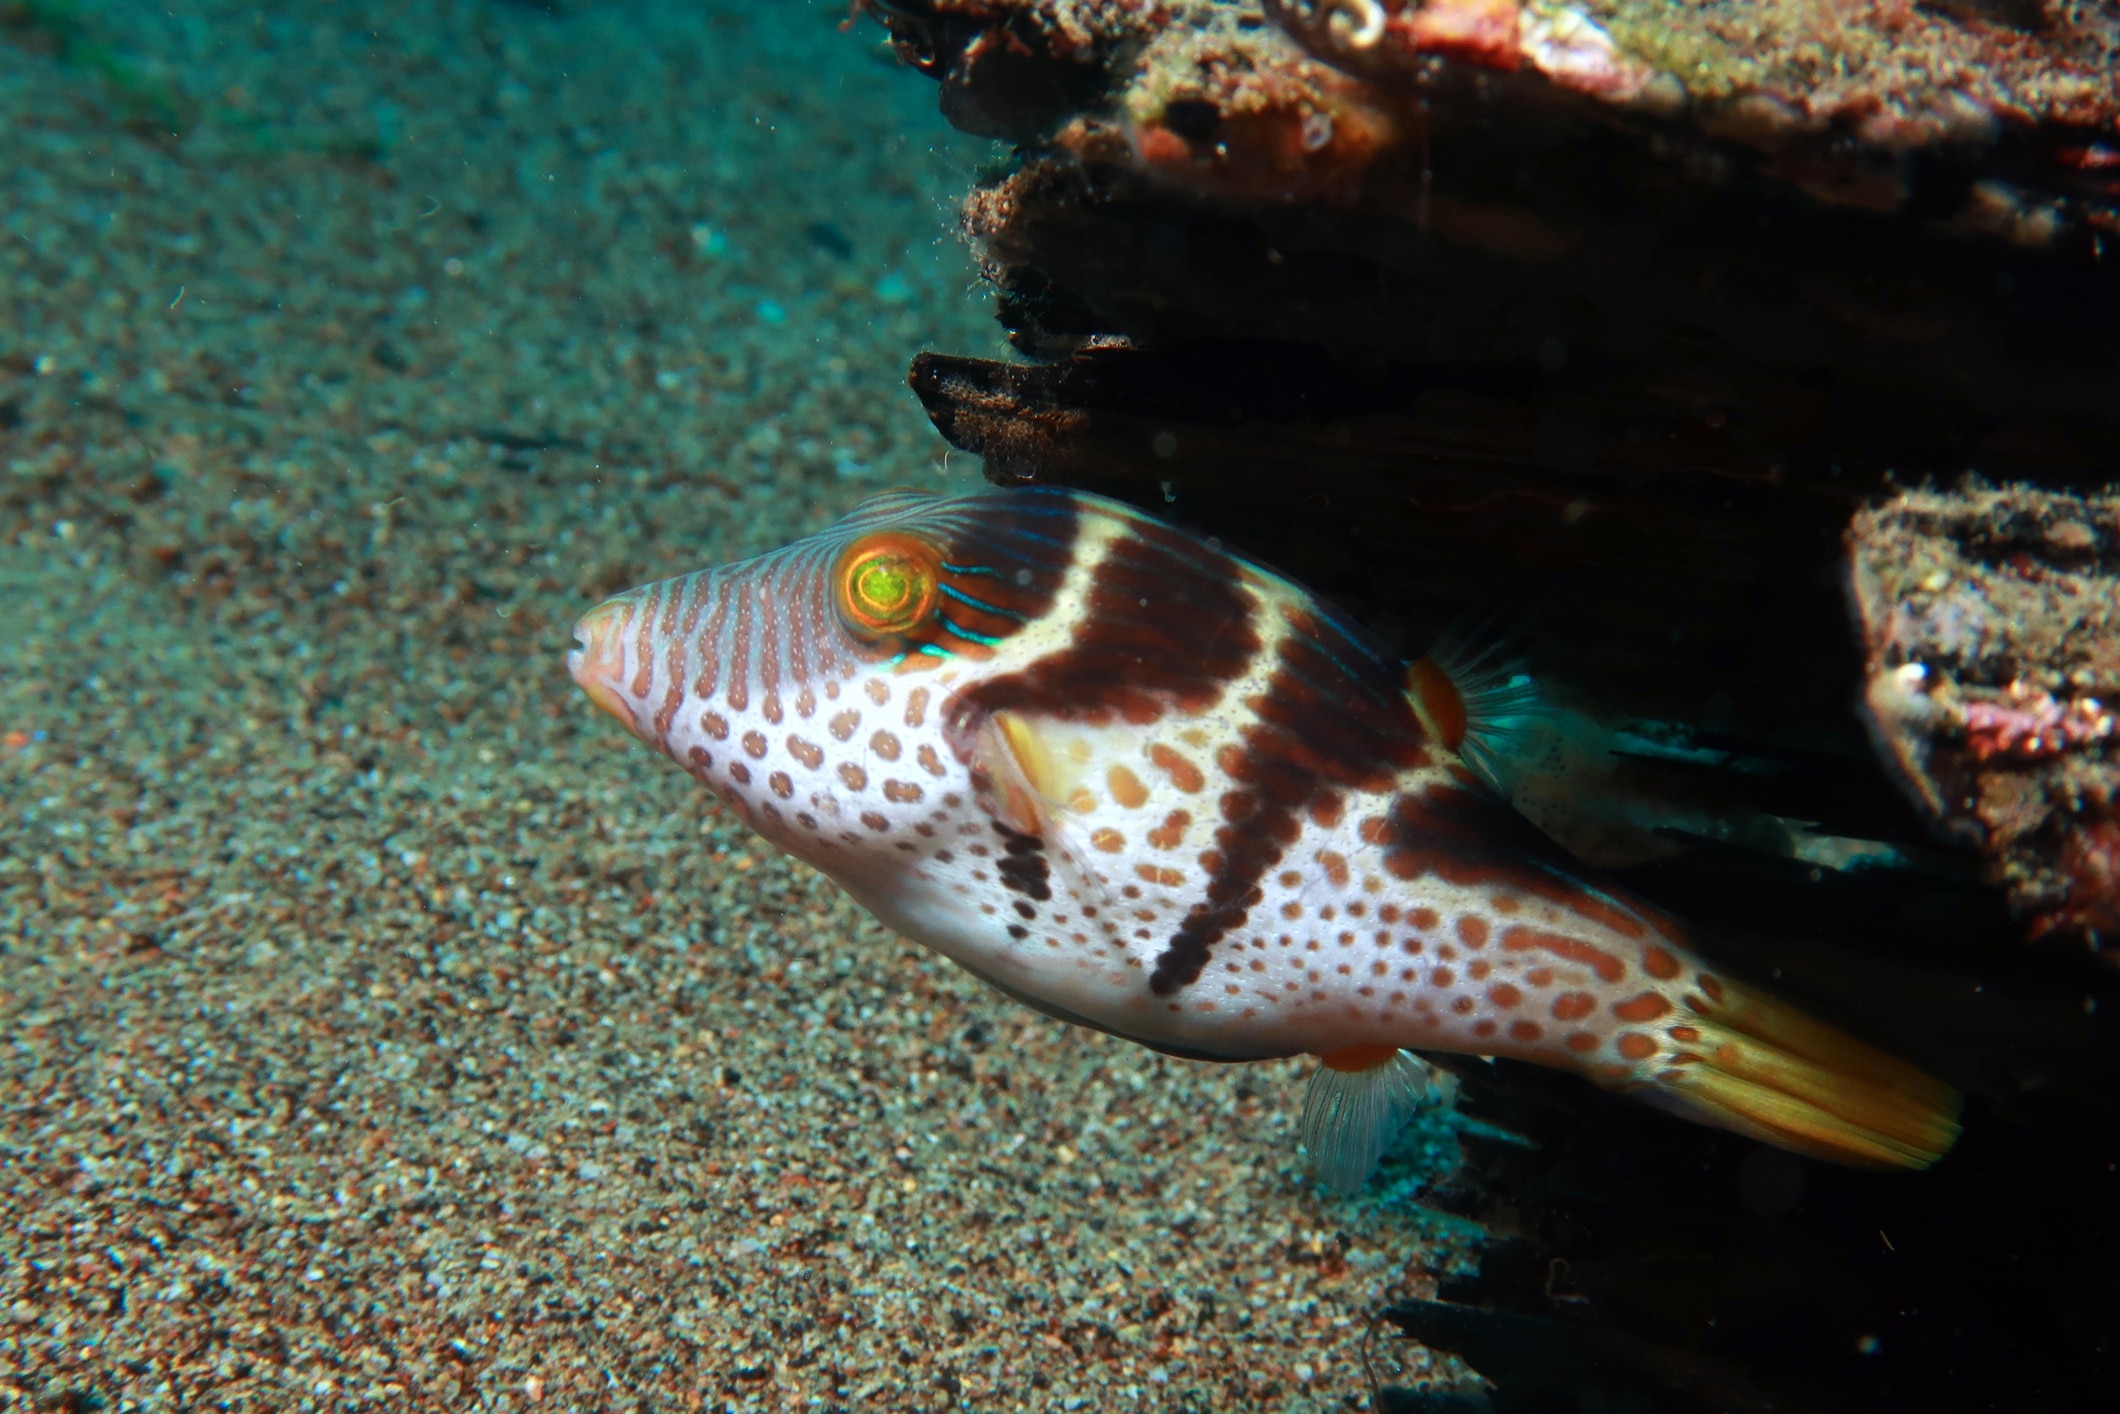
column 767, row 636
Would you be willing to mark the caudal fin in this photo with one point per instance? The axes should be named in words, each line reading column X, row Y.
column 1748, row 1063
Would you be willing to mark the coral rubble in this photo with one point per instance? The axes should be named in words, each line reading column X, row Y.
column 1992, row 623
column 1478, row 180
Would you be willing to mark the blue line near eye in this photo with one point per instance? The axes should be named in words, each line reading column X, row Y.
column 983, row 607
column 895, row 661
column 967, row 569
column 933, row 652
column 1019, row 533
column 988, row 639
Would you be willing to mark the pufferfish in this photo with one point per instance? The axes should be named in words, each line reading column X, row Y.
column 1142, row 784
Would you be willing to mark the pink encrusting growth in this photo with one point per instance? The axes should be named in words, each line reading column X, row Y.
column 1146, row 786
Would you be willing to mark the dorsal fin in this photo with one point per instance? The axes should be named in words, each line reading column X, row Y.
column 1477, row 701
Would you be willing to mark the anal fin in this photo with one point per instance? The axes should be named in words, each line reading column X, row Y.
column 1358, row 1101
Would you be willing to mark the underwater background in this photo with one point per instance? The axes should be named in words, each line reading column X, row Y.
column 383, row 1029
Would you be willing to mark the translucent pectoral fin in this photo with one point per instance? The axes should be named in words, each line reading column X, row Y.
column 1028, row 770
column 1358, row 1101
column 1024, row 776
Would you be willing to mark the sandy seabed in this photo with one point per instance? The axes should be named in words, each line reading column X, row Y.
column 382, row 1027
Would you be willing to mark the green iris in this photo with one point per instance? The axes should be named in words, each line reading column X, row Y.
column 885, row 585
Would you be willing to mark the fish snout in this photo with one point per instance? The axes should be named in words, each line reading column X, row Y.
column 599, row 665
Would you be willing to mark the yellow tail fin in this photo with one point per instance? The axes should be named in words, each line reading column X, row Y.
column 1748, row 1063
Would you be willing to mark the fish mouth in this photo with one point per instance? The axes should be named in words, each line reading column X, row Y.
column 599, row 664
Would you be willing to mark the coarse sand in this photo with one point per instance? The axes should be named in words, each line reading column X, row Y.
column 382, row 1027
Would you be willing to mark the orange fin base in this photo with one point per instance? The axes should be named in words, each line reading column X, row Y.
column 1766, row 1070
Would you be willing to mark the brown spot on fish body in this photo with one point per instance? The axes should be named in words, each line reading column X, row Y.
column 809, row 753
column 884, row 745
column 754, row 745
column 1521, row 939
column 1636, row 1047
column 1659, row 963
column 1646, row 1007
column 930, row 760
column 878, row 690
column 1526, row 1030
column 1573, row 1006
column 1472, row 930
column 667, row 713
column 916, row 703
column 1183, row 773
column 902, row 792
column 1585, row 904
column 714, row 725
column 853, row 777
column 1126, row 787
column 1171, row 833
column 842, row 724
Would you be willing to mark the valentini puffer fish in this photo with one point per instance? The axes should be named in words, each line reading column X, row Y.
column 1146, row 786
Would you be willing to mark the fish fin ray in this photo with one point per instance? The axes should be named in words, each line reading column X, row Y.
column 1764, row 1069
column 1028, row 783
column 1351, row 1116
column 1478, row 696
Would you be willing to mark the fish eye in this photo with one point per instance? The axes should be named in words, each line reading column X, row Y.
column 886, row 584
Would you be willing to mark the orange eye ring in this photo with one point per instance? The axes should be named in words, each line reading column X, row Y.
column 886, row 584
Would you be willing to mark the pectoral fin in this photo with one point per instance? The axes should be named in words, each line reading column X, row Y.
column 1019, row 773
